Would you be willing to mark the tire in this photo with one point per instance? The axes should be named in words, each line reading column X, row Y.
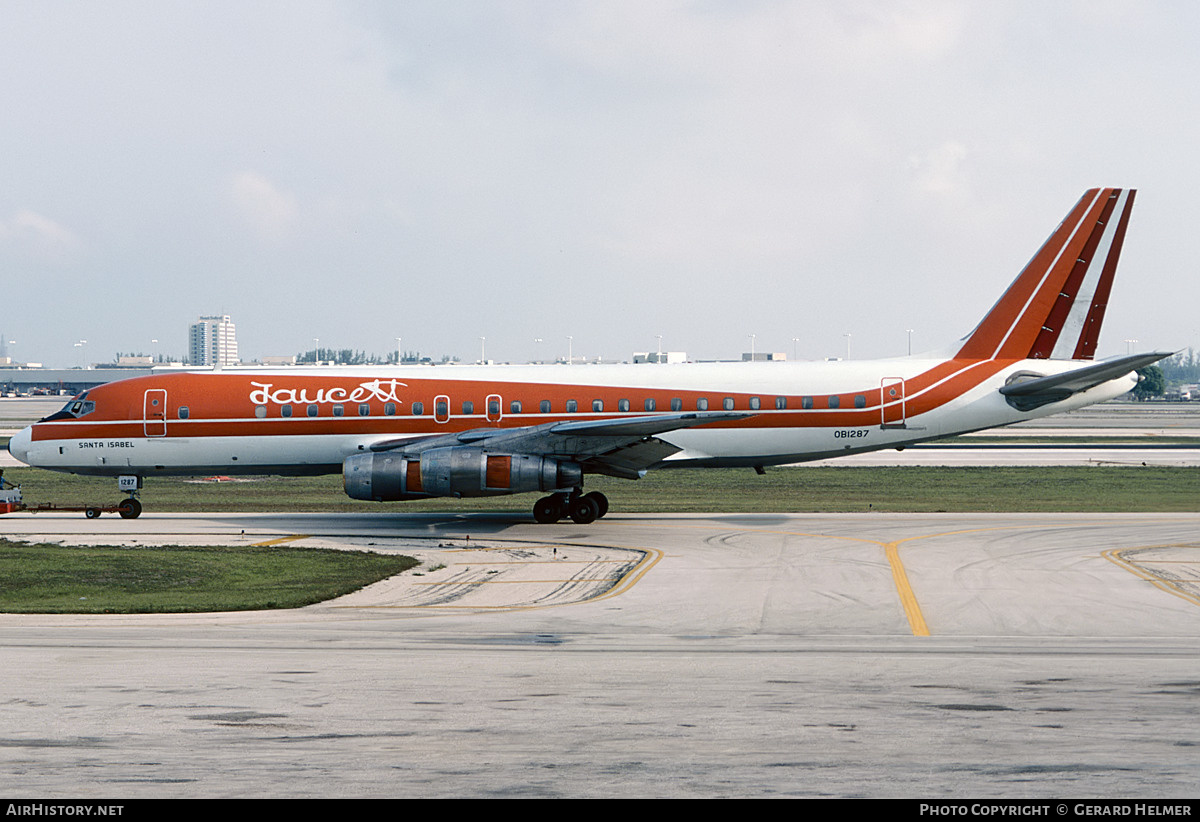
column 585, row 509
column 548, row 510
column 92, row 513
column 601, row 502
column 129, row 508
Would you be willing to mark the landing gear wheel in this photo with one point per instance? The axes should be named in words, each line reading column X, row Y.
column 548, row 510
column 129, row 508
column 585, row 509
column 601, row 502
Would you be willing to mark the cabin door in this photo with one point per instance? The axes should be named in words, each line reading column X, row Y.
column 891, row 391
column 154, row 416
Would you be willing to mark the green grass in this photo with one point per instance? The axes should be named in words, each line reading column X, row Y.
column 46, row 578
column 55, row 579
column 803, row 489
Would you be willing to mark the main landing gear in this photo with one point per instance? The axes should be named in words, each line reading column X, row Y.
column 582, row 508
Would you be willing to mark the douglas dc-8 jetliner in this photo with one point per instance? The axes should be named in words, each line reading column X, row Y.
column 402, row 433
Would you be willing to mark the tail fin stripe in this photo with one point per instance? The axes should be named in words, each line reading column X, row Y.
column 1090, row 332
column 1066, row 318
column 984, row 342
column 1022, row 334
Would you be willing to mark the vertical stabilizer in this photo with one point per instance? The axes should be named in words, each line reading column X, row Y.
column 1056, row 305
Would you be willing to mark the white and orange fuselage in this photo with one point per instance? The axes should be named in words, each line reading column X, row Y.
column 408, row 432
column 309, row 421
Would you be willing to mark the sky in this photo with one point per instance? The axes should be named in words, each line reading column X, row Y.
column 811, row 178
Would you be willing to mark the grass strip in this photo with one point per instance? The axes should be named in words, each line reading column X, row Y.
column 956, row 489
column 54, row 579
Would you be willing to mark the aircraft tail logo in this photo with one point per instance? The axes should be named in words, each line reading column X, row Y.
column 1055, row 307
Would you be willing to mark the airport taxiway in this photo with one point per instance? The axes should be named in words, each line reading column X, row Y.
column 1007, row 655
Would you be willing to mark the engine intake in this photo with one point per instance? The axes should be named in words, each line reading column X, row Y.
column 455, row 471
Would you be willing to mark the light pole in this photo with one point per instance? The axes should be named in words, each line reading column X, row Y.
column 795, row 348
column 847, row 336
column 751, row 336
column 399, row 356
column 909, row 331
column 482, row 351
column 570, row 349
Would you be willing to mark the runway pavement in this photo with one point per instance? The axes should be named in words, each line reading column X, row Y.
column 644, row 655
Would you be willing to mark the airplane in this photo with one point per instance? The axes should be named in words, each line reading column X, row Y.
column 414, row 432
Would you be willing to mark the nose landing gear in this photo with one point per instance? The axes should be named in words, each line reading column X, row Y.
column 130, row 507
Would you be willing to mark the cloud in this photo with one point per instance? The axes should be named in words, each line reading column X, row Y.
column 939, row 171
column 37, row 234
column 268, row 211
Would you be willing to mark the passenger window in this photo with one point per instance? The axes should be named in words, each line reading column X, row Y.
column 702, row 404
column 312, row 410
column 285, row 411
column 727, row 403
column 597, row 405
column 389, row 410
column 183, row 412
column 806, row 402
column 468, row 407
column 418, row 408
column 364, row 410
column 514, row 407
column 622, row 405
column 260, row 411
column 441, row 408
column 649, row 405
column 572, row 406
column 780, row 403
column 676, row 404
column 754, row 404
column 544, row 406
column 860, row 401
column 339, row 410
column 835, row 401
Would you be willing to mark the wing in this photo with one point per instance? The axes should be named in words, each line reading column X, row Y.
column 1026, row 392
column 618, row 447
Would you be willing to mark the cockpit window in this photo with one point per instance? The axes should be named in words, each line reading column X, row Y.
column 78, row 407
column 81, row 408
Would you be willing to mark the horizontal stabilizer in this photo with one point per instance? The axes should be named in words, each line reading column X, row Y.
column 1030, row 391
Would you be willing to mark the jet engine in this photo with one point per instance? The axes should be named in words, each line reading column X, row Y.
column 454, row 471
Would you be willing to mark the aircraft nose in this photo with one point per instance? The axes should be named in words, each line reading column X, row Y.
column 18, row 446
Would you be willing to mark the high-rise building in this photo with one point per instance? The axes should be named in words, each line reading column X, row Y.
column 213, row 341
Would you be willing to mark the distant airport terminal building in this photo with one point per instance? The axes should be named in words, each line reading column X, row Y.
column 213, row 342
